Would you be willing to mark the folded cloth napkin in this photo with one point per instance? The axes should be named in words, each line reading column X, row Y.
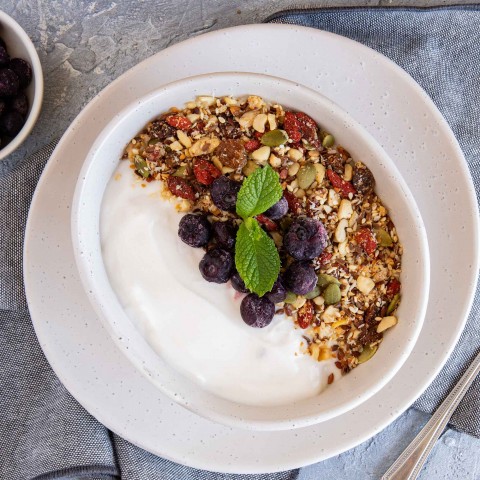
column 45, row 434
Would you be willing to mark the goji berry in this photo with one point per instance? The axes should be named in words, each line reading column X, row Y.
column 366, row 240
column 308, row 128
column 305, row 314
column 292, row 127
column 258, row 135
column 324, row 258
column 205, row 172
column 180, row 187
column 270, row 225
column 177, row 121
column 294, row 204
column 338, row 182
column 393, row 288
column 252, row 145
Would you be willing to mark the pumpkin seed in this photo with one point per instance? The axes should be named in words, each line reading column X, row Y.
column 367, row 353
column 393, row 304
column 383, row 238
column 325, row 280
column 314, row 293
column 290, row 298
column 141, row 166
column 181, row 171
column 153, row 141
column 274, row 138
column 328, row 141
column 306, row 175
column 332, row 294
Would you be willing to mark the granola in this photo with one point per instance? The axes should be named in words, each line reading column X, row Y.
column 358, row 289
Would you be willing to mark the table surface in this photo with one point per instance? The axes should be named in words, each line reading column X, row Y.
column 86, row 45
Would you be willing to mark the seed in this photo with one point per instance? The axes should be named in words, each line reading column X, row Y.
column 141, row 166
column 319, row 301
column 300, row 193
column 367, row 353
column 290, row 298
column 328, row 141
column 386, row 323
column 393, row 304
column 306, row 175
column 314, row 293
column 274, row 138
column 320, row 172
column 383, row 238
column 323, row 280
column 332, row 294
column 293, row 169
column 181, row 171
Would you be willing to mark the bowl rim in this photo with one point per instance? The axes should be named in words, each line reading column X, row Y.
column 233, row 420
column 36, row 105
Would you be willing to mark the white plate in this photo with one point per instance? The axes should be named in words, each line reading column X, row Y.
column 399, row 115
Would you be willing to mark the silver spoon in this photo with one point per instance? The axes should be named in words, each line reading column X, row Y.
column 409, row 464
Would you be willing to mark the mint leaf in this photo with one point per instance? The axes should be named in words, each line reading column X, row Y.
column 256, row 257
column 258, row 192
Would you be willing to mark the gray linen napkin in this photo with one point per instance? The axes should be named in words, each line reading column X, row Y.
column 440, row 49
column 45, row 434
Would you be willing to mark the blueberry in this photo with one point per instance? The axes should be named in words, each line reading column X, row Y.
column 194, row 230
column 20, row 104
column 11, row 123
column 22, row 69
column 278, row 293
column 305, row 239
column 4, row 57
column 225, row 233
column 217, row 265
column 300, row 278
column 257, row 311
column 2, row 43
column 277, row 211
column 224, row 193
column 238, row 284
column 9, row 83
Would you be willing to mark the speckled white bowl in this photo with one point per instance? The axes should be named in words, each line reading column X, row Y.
column 19, row 45
column 341, row 396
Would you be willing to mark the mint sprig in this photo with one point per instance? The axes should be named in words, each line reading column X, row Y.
column 256, row 256
column 258, row 192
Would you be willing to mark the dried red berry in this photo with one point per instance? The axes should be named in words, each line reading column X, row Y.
column 182, row 123
column 205, row 172
column 269, row 224
column 180, row 187
column 252, row 145
column 393, row 288
column 365, row 238
column 294, row 204
column 305, row 314
column 292, row 127
column 308, row 128
column 338, row 182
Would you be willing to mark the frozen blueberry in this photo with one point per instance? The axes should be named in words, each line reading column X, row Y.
column 278, row 293
column 4, row 57
column 238, row 284
column 224, row 193
column 225, row 234
column 300, row 278
column 8, row 83
column 11, row 123
column 22, row 69
column 2, row 106
column 2, row 43
column 194, row 230
column 257, row 311
column 277, row 211
column 305, row 239
column 217, row 265
column 20, row 104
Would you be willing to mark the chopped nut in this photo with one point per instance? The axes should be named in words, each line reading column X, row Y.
column 386, row 323
column 365, row 284
column 293, row 169
column 274, row 161
column 333, row 198
column 176, row 146
column 229, row 101
column 261, row 155
column 255, row 102
column 205, row 101
column 320, row 172
column 340, row 231
column 204, row 145
column 295, row 154
column 259, row 122
column 330, row 314
column 345, row 210
column 348, row 174
column 184, row 138
column 272, row 122
column 246, row 120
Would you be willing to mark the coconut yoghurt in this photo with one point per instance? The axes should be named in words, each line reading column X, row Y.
column 194, row 325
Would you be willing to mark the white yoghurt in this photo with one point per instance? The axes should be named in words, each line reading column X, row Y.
column 195, row 325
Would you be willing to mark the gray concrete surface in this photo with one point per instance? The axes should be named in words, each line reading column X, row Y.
column 83, row 45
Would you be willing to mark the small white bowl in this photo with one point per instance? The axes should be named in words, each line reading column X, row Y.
column 358, row 385
column 19, row 45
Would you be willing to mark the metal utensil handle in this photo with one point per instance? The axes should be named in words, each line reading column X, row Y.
column 410, row 462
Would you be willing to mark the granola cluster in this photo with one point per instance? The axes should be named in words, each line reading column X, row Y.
column 358, row 288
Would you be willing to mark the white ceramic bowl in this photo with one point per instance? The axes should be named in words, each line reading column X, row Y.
column 339, row 397
column 19, row 45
